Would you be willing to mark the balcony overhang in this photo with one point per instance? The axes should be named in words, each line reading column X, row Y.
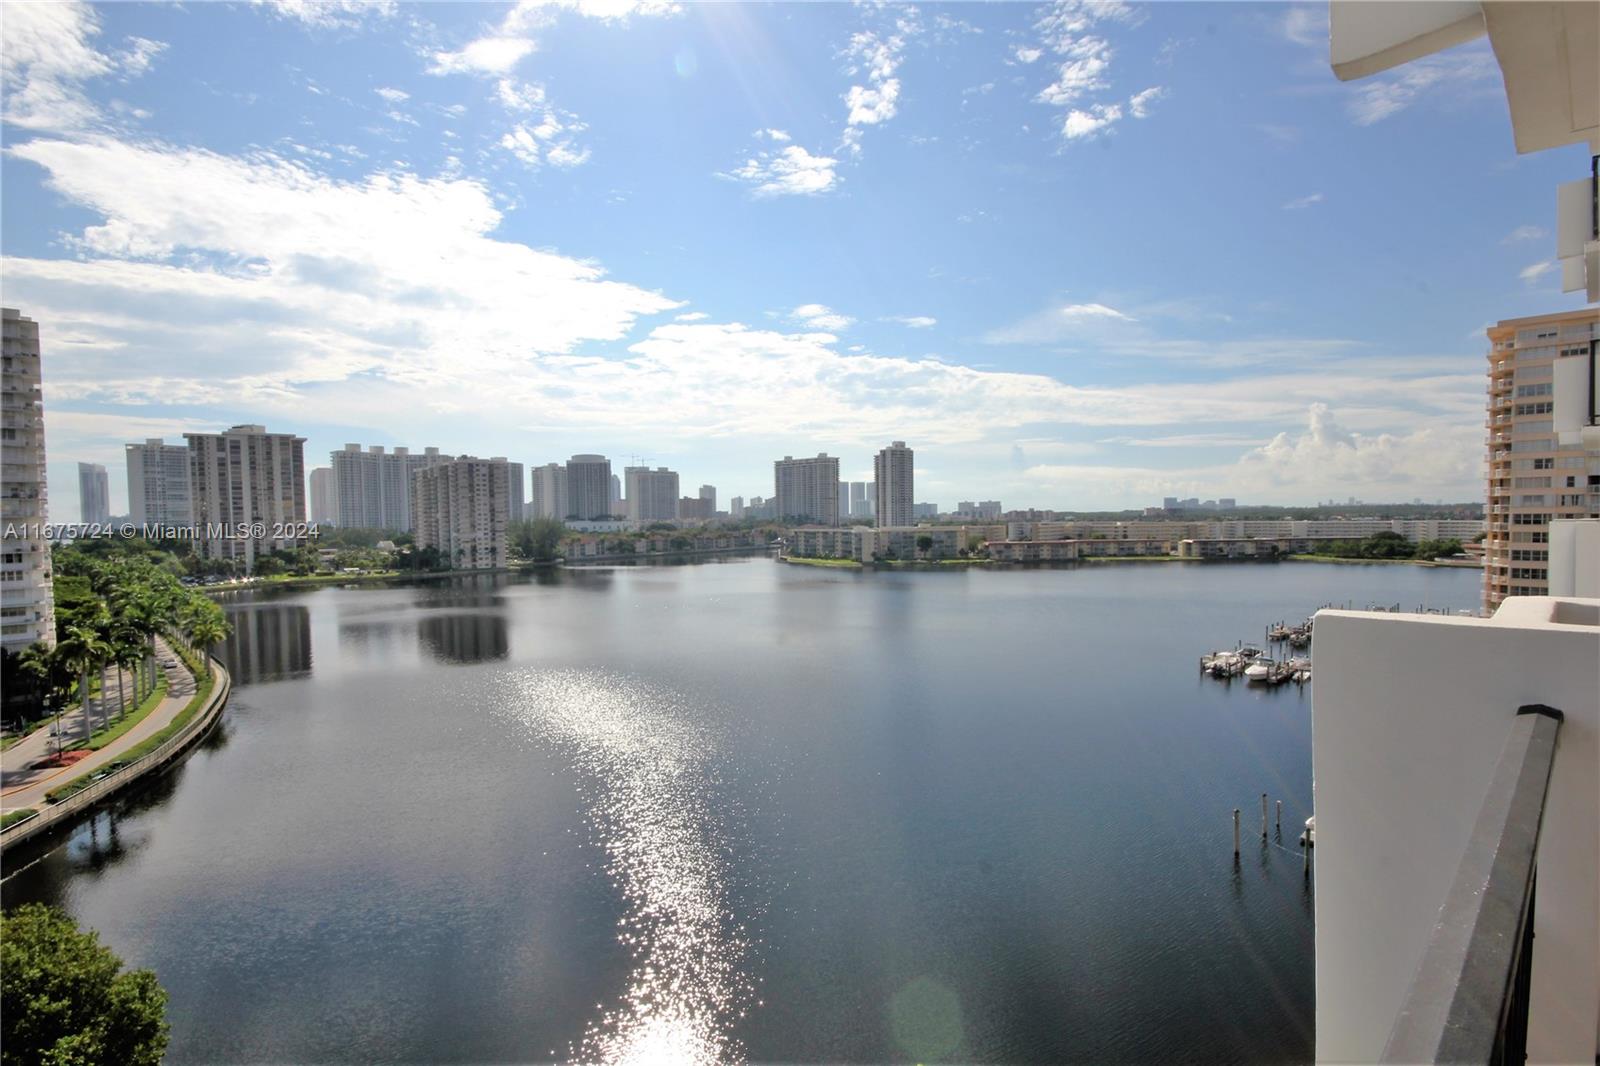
column 1549, row 55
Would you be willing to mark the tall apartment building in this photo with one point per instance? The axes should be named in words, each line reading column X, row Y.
column 324, row 499
column 892, row 473
column 844, row 501
column 158, row 483
column 652, row 495
column 709, row 494
column 549, row 496
column 807, row 490
column 374, row 486
column 616, row 495
column 27, row 602
column 243, row 478
column 589, row 487
column 694, row 508
column 858, row 500
column 1544, row 444
column 462, row 508
column 517, row 481
column 94, row 494
column 736, row 507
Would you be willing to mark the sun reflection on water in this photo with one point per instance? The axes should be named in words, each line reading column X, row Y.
column 648, row 779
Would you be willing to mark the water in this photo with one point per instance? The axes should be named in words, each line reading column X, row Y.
column 734, row 810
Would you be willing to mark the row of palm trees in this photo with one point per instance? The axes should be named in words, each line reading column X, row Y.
column 133, row 602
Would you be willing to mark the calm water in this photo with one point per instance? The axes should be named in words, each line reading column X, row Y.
column 734, row 810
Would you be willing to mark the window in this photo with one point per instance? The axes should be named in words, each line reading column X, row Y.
column 1532, row 483
column 1537, row 499
column 1541, row 389
column 1542, row 408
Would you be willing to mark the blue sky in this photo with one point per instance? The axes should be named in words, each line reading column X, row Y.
column 1076, row 255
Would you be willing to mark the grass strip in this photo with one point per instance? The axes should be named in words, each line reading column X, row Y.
column 143, row 748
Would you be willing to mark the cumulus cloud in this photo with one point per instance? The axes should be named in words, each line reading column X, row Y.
column 786, row 171
column 820, row 317
column 548, row 141
column 1074, row 31
column 392, row 95
column 486, row 55
column 328, row 14
column 1139, row 103
column 1091, row 123
column 49, row 55
column 875, row 56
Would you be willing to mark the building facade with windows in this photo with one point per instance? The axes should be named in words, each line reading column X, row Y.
column 324, row 499
column 1544, row 444
column 652, row 495
column 548, row 498
column 463, row 510
column 374, row 486
column 892, row 474
column 27, row 601
column 589, row 492
column 94, row 494
column 248, row 489
column 807, row 490
column 158, row 483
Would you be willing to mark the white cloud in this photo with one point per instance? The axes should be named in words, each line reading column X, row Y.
column 1451, row 76
column 549, row 141
column 1084, row 71
column 692, row 316
column 328, row 14
column 1524, row 233
column 1091, row 123
column 486, row 55
column 1535, row 271
column 789, row 171
column 1306, row 24
column 1139, row 103
column 1303, row 202
column 821, row 317
column 49, row 55
column 393, row 96
column 774, row 135
column 914, row 321
column 875, row 57
column 1024, row 54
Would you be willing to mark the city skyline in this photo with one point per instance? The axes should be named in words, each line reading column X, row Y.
column 536, row 262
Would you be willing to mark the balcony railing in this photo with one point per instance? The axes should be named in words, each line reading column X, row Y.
column 1468, row 1001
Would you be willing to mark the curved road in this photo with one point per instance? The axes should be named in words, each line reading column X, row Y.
column 22, row 787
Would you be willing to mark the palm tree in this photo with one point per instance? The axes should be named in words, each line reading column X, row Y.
column 44, row 663
column 82, row 649
column 128, row 652
column 207, row 630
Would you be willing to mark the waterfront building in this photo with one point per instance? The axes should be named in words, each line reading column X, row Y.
column 244, row 478
column 374, row 486
column 517, row 479
column 867, row 544
column 892, row 473
column 591, row 488
column 807, row 490
column 94, row 494
column 1544, row 444
column 709, row 494
column 463, row 510
column 736, row 507
column 694, row 508
column 652, row 495
column 549, row 496
column 158, row 483
column 27, row 602
column 324, row 499
column 859, row 495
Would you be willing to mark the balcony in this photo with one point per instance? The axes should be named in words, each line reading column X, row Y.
column 1436, row 805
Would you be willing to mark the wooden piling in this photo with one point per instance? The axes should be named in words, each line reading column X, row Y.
column 1236, row 832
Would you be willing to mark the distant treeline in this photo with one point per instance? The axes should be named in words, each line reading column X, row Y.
column 1388, row 546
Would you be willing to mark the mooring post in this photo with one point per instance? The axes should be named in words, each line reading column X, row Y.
column 1280, row 818
column 1263, row 816
column 1236, row 832
column 1307, row 845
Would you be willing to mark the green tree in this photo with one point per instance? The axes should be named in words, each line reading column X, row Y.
column 924, row 543
column 65, row 1000
column 83, row 650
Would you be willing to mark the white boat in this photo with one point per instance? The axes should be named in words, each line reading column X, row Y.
column 1260, row 670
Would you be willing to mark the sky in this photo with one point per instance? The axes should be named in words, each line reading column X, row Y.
column 1077, row 256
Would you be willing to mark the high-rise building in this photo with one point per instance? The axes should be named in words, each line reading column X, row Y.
column 616, row 495
column 242, row 479
column 858, row 500
column 589, row 487
column 462, row 509
column 709, row 494
column 517, row 482
column 892, row 473
column 924, row 510
column 736, row 507
column 94, row 494
column 844, row 501
column 652, row 494
column 1544, row 445
column 27, row 603
column 158, row 483
column 807, row 490
column 374, row 486
column 694, row 508
column 549, row 496
column 324, row 498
